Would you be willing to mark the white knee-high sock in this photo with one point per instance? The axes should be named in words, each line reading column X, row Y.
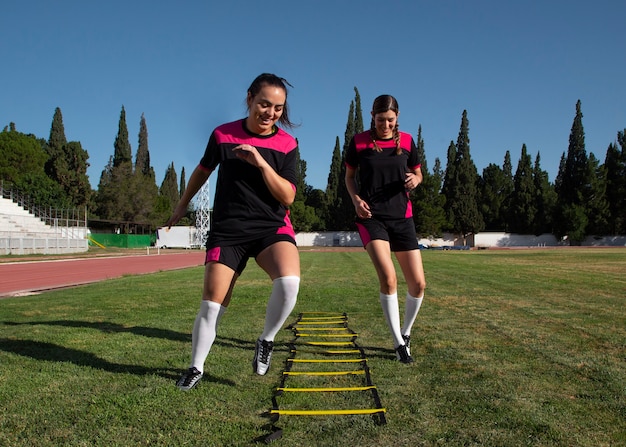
column 391, row 312
column 204, row 332
column 411, row 308
column 281, row 303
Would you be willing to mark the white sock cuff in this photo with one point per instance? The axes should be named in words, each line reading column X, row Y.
column 391, row 297
column 208, row 306
column 288, row 278
column 411, row 297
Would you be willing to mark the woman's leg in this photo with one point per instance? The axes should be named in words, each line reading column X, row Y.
column 413, row 271
column 281, row 261
column 219, row 281
column 380, row 254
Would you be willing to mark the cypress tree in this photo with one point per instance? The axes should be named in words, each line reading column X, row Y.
column 343, row 212
column 57, row 131
column 122, row 155
column 183, row 182
column 67, row 163
column 594, row 192
column 426, row 199
column 358, row 115
column 523, row 211
column 56, row 166
column 492, row 197
column 142, row 158
column 118, row 188
column 332, row 187
column 169, row 188
column 571, row 215
column 462, row 197
column 545, row 199
column 615, row 165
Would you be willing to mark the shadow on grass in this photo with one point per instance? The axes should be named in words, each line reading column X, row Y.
column 49, row 352
column 109, row 327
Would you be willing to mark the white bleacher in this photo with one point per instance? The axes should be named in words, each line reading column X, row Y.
column 21, row 232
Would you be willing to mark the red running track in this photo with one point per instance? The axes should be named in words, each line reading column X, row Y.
column 23, row 278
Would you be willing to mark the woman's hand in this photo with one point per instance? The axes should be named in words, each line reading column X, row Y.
column 249, row 154
column 411, row 180
column 362, row 209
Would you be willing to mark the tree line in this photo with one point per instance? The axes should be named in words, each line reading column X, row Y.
column 587, row 197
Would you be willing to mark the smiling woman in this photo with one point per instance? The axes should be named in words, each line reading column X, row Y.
column 255, row 185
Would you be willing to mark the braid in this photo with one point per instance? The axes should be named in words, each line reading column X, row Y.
column 396, row 138
column 373, row 137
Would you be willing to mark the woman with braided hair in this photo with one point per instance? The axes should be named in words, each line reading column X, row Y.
column 388, row 169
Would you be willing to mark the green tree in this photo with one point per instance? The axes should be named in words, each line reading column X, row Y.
column 615, row 165
column 67, row 163
column 142, row 158
column 117, row 184
column 332, row 187
column 598, row 213
column 523, row 204
column 169, row 188
column 461, row 188
column 122, row 155
column 303, row 217
column 340, row 214
column 144, row 190
column 56, row 143
column 76, row 185
column 21, row 154
column 545, row 199
column 492, row 197
column 570, row 212
column 427, row 202
column 316, row 199
column 183, row 182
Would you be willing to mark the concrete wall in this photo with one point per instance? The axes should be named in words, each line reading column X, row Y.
column 480, row 240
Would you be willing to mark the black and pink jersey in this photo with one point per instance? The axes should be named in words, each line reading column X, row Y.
column 244, row 208
column 382, row 174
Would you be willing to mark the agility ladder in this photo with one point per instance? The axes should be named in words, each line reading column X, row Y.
column 322, row 339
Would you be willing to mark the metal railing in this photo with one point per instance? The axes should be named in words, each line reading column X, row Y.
column 70, row 223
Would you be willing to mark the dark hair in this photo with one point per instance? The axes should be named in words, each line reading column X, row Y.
column 383, row 104
column 274, row 81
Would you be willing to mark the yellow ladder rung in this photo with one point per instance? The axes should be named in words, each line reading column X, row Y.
column 332, row 351
column 328, row 343
column 350, row 335
column 323, row 373
column 327, row 360
column 327, row 389
column 334, row 317
column 337, row 329
column 328, row 412
column 308, row 323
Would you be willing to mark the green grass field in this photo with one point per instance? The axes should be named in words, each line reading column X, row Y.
column 512, row 348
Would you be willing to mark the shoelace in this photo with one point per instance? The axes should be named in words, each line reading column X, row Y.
column 191, row 374
column 265, row 350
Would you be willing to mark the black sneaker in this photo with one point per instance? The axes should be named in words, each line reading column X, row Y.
column 262, row 356
column 189, row 379
column 407, row 342
column 402, row 354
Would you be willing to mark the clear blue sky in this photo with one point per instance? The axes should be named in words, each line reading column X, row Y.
column 518, row 68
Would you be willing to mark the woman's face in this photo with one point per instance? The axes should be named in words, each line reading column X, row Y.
column 265, row 109
column 384, row 123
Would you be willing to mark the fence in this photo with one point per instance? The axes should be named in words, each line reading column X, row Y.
column 26, row 228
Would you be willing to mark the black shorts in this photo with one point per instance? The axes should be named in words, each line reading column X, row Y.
column 400, row 233
column 236, row 256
